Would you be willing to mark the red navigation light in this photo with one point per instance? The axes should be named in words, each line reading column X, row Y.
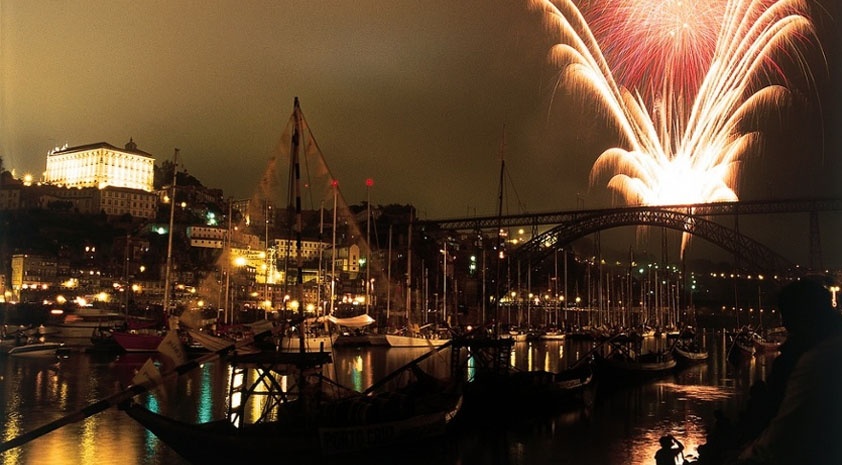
column 369, row 182
column 334, row 183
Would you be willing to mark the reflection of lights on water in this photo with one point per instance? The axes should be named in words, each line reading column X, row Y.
column 357, row 373
column 700, row 392
column 89, row 439
column 205, row 396
column 529, row 362
column 150, row 440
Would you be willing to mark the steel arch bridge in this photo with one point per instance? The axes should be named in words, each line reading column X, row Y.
column 571, row 225
column 752, row 255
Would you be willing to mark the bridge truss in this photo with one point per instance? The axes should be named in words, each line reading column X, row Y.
column 568, row 226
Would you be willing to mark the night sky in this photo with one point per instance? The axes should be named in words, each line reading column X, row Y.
column 418, row 95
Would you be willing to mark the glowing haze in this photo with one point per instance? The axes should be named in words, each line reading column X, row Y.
column 681, row 81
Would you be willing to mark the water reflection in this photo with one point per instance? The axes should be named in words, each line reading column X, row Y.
column 623, row 426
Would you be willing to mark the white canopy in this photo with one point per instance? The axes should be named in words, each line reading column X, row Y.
column 353, row 322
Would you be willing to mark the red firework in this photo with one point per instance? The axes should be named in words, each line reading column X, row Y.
column 657, row 46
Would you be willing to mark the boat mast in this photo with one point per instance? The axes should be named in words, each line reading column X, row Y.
column 389, row 278
column 335, row 185
column 295, row 180
column 499, row 245
column 168, row 266
column 320, row 274
column 409, row 269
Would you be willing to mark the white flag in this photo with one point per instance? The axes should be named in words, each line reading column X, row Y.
column 148, row 372
column 172, row 348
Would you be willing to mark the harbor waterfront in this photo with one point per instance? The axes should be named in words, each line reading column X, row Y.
column 621, row 425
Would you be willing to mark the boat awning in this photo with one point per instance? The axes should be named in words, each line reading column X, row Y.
column 353, row 322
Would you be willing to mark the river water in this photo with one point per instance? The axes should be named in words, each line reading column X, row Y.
column 621, row 427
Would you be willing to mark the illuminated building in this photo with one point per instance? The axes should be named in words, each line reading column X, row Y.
column 34, row 272
column 206, row 237
column 100, row 178
column 101, row 165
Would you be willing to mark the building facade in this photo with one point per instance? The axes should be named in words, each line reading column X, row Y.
column 101, row 165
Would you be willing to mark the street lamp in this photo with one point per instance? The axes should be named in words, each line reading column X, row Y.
column 368, row 184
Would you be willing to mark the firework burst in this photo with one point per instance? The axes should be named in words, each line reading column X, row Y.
column 679, row 81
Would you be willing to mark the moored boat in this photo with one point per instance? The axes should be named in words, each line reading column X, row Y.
column 646, row 364
column 689, row 354
column 770, row 341
column 139, row 340
column 622, row 358
column 415, row 340
column 33, row 349
column 311, row 424
column 552, row 335
column 76, row 328
column 494, row 388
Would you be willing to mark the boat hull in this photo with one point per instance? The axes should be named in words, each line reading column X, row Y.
column 311, row 343
column 138, row 342
column 688, row 356
column 220, row 442
column 36, row 349
column 355, row 340
column 399, row 341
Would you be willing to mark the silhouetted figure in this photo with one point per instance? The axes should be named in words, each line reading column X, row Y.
column 795, row 417
column 670, row 448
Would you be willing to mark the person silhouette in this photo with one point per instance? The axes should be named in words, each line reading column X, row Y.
column 796, row 416
column 667, row 454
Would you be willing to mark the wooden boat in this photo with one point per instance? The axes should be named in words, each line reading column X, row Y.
column 652, row 363
column 526, row 393
column 623, row 359
column 688, row 353
column 742, row 343
column 313, row 425
column 770, row 342
column 495, row 389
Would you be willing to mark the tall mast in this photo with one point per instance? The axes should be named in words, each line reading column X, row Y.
column 168, row 267
column 335, row 185
column 389, row 278
column 319, row 273
column 295, row 180
column 409, row 269
column 499, row 245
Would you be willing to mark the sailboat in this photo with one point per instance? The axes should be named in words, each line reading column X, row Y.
column 413, row 335
column 310, row 415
